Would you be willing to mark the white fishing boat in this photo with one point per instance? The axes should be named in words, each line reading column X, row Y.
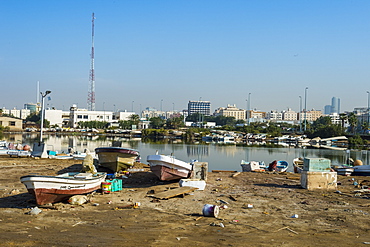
column 51, row 189
column 167, row 167
column 250, row 166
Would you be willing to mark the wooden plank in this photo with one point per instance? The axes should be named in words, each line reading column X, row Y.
column 175, row 192
column 222, row 171
column 235, row 174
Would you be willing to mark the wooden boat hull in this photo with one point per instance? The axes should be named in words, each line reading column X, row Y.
column 167, row 167
column 298, row 165
column 281, row 166
column 116, row 158
column 167, row 174
column 51, row 189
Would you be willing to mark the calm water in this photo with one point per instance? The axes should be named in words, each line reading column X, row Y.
column 219, row 157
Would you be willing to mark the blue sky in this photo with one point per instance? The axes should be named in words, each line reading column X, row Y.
column 152, row 53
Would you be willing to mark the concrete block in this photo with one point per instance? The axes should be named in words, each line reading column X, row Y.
column 200, row 171
column 319, row 180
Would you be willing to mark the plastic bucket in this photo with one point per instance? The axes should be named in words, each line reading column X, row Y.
column 106, row 187
column 210, row 210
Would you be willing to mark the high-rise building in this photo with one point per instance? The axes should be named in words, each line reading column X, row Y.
column 335, row 105
column 203, row 107
column 327, row 109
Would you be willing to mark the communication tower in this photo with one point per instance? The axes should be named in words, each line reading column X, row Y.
column 91, row 92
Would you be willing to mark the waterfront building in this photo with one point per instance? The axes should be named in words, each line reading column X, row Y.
column 149, row 113
column 290, row 115
column 231, row 111
column 202, row 107
column 274, row 116
column 57, row 117
column 121, row 116
column 77, row 115
column 309, row 115
column 13, row 123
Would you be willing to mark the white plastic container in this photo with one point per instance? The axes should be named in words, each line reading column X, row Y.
column 200, row 184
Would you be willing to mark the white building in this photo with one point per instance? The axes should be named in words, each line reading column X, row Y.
column 22, row 113
column 122, row 115
column 290, row 115
column 274, row 115
column 57, row 117
column 83, row 115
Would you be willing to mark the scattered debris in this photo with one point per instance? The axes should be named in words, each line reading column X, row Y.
column 35, row 211
column 235, row 174
column 175, row 192
column 210, row 210
column 78, row 199
column 135, row 205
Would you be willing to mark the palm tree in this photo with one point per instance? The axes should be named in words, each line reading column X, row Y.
column 352, row 120
column 364, row 127
column 135, row 119
column 343, row 117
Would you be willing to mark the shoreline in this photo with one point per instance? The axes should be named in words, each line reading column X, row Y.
column 324, row 218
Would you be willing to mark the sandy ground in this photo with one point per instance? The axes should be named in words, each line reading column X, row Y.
column 325, row 218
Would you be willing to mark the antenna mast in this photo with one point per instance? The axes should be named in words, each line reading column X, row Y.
column 91, row 92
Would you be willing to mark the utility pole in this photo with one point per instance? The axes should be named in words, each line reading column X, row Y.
column 305, row 109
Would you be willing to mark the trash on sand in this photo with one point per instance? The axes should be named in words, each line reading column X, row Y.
column 135, row 205
column 294, row 216
column 250, row 206
column 35, row 211
column 215, row 224
column 224, row 207
column 78, row 199
column 223, row 201
column 210, row 210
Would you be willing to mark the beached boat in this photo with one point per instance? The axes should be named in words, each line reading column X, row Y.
column 344, row 170
column 362, row 170
column 167, row 167
column 116, row 158
column 250, row 166
column 51, row 189
column 298, row 165
column 278, row 165
column 14, row 150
